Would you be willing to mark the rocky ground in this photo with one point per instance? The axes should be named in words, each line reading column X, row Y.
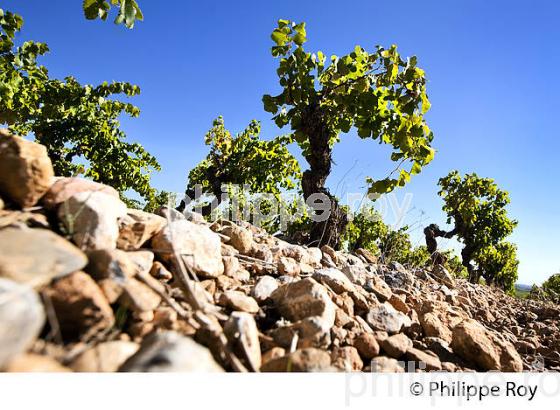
column 89, row 285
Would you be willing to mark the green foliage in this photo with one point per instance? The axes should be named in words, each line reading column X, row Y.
column 367, row 230
column 153, row 203
column 418, row 257
column 477, row 209
column 128, row 11
column 396, row 246
column 453, row 264
column 552, row 287
column 499, row 265
column 79, row 124
column 282, row 214
column 265, row 167
column 549, row 290
column 379, row 94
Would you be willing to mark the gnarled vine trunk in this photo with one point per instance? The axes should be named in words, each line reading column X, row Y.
column 215, row 189
column 319, row 157
column 431, row 232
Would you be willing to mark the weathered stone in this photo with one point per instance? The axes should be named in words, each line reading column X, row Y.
column 240, row 238
column 264, row 288
column 105, row 357
column 509, row 357
column 36, row 256
column 243, row 336
column 171, row 214
column 138, row 297
column 30, row 362
column 112, row 289
column 475, row 344
column 335, row 279
column 165, row 317
column 25, row 168
column 443, row 276
column 367, row 345
column 224, row 282
column 231, row 266
column 296, row 252
column 288, row 266
column 384, row 364
column 111, row 263
column 314, row 257
column 303, row 360
column 138, row 227
column 356, row 273
column 22, row 219
column 384, row 317
column 397, row 345
column 262, row 252
column 306, row 303
column 91, row 219
column 236, row 300
column 64, row 188
column 424, row 361
column 367, row 255
column 199, row 247
column 170, row 352
column 159, row 271
column 327, row 250
column 303, row 299
column 378, row 286
column 397, row 301
column 80, row 305
column 21, row 319
column 398, row 277
column 434, row 327
column 347, row 359
column 272, row 354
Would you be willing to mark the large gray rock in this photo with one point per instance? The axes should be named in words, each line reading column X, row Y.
column 91, row 219
column 386, row 318
column 397, row 345
column 240, row 238
column 36, row 256
column 443, row 276
column 397, row 277
column 138, row 227
column 170, row 352
column 25, row 168
column 64, row 188
column 237, row 300
column 356, row 273
column 21, row 319
column 308, row 305
column 335, row 279
column 264, row 288
column 475, row 344
column 199, row 247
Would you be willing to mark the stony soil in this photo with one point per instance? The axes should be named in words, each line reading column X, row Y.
column 89, row 285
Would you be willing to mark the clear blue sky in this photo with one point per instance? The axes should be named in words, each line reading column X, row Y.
column 493, row 69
